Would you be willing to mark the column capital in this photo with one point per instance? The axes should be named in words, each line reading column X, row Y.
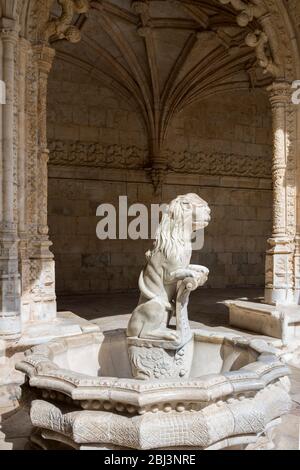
column 279, row 93
column 9, row 30
column 44, row 55
column 24, row 45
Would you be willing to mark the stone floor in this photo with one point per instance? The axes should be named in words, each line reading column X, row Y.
column 206, row 306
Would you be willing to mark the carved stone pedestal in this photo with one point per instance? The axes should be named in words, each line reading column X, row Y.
column 151, row 360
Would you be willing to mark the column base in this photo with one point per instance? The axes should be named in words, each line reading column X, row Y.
column 279, row 296
column 279, row 280
column 10, row 291
column 10, row 327
column 38, row 301
column 38, row 311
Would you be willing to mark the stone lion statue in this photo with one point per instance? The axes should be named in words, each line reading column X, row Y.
column 168, row 263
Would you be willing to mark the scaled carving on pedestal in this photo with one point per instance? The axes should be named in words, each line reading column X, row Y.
column 165, row 284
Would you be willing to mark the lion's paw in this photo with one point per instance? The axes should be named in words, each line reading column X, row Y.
column 171, row 335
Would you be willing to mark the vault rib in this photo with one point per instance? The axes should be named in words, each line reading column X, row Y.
column 117, row 37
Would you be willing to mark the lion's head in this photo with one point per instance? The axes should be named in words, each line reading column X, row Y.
column 191, row 209
column 184, row 215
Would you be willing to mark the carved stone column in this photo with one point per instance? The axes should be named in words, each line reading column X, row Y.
column 10, row 321
column 23, row 151
column 41, row 259
column 279, row 258
column 296, row 126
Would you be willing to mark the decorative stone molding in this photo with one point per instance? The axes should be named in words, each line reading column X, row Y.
column 263, row 41
column 117, row 156
column 222, row 164
column 259, row 41
column 158, row 172
column 97, row 154
column 62, row 28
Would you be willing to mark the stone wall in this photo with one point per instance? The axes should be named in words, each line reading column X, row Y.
column 237, row 123
column 234, row 241
column 219, row 148
column 79, row 109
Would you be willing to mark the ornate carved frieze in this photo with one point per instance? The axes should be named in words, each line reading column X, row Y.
column 218, row 163
column 131, row 157
column 97, row 154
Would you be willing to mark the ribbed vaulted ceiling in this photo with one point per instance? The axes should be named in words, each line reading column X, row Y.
column 164, row 54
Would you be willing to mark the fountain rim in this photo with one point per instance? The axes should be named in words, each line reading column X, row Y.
column 113, row 393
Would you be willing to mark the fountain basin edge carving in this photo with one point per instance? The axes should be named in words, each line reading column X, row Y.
column 258, row 389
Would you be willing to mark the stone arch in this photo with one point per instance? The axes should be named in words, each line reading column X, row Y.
column 24, row 233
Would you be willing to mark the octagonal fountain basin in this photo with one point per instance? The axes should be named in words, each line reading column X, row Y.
column 236, row 391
